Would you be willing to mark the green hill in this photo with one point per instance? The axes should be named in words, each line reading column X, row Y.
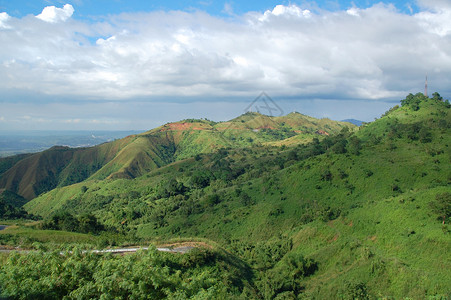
column 353, row 215
column 133, row 156
column 301, row 208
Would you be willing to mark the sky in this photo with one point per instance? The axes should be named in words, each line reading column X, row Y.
column 135, row 65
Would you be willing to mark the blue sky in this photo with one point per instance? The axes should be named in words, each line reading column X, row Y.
column 138, row 64
column 86, row 8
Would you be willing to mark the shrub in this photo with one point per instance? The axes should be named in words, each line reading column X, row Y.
column 353, row 291
column 442, row 206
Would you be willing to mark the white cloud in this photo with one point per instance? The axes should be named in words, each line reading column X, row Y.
column 437, row 19
column 72, row 121
column 286, row 11
column 286, row 51
column 4, row 17
column 354, row 11
column 54, row 14
column 435, row 4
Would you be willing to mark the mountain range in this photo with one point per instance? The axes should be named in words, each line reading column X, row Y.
column 32, row 174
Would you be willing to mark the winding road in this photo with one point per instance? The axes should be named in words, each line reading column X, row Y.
column 181, row 249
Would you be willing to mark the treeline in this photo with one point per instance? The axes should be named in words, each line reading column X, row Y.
column 413, row 101
column 85, row 223
column 8, row 211
column 11, row 207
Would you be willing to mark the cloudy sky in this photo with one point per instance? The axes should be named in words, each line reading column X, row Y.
column 129, row 64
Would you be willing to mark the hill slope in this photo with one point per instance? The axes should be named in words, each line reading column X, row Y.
column 350, row 216
column 130, row 157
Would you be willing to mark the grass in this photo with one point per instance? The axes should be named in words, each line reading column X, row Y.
column 25, row 236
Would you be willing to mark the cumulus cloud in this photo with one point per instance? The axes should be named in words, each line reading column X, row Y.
column 285, row 11
column 437, row 17
column 3, row 19
column 288, row 51
column 54, row 14
column 435, row 4
column 354, row 11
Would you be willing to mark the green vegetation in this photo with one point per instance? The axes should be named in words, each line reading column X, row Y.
column 11, row 206
column 26, row 236
column 85, row 223
column 72, row 273
column 136, row 155
column 362, row 213
column 442, row 206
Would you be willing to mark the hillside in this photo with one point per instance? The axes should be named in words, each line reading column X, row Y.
column 130, row 157
column 358, row 214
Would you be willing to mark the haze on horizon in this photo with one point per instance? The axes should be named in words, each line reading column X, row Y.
column 89, row 65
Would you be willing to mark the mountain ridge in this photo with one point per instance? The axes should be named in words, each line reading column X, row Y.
column 136, row 154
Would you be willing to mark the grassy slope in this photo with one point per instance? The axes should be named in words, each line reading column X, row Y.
column 24, row 236
column 385, row 226
column 130, row 157
column 386, row 236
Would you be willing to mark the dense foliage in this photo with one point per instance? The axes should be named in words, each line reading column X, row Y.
column 11, row 206
column 76, row 274
column 85, row 223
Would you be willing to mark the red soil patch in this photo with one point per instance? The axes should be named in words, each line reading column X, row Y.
column 322, row 132
column 334, row 238
column 266, row 127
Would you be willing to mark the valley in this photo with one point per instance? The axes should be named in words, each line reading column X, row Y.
column 288, row 207
column 21, row 142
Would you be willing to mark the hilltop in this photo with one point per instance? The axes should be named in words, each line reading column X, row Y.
column 32, row 174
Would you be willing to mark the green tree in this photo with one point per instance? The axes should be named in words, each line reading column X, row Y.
column 340, row 146
column 442, row 206
column 436, row 96
column 173, row 187
column 413, row 101
column 200, row 179
column 212, row 199
column 425, row 135
column 355, row 291
column 354, row 145
column 88, row 223
column 61, row 221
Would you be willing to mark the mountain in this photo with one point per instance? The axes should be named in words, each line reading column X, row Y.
column 354, row 121
column 32, row 174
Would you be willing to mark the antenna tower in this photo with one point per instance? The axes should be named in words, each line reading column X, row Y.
column 426, row 86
